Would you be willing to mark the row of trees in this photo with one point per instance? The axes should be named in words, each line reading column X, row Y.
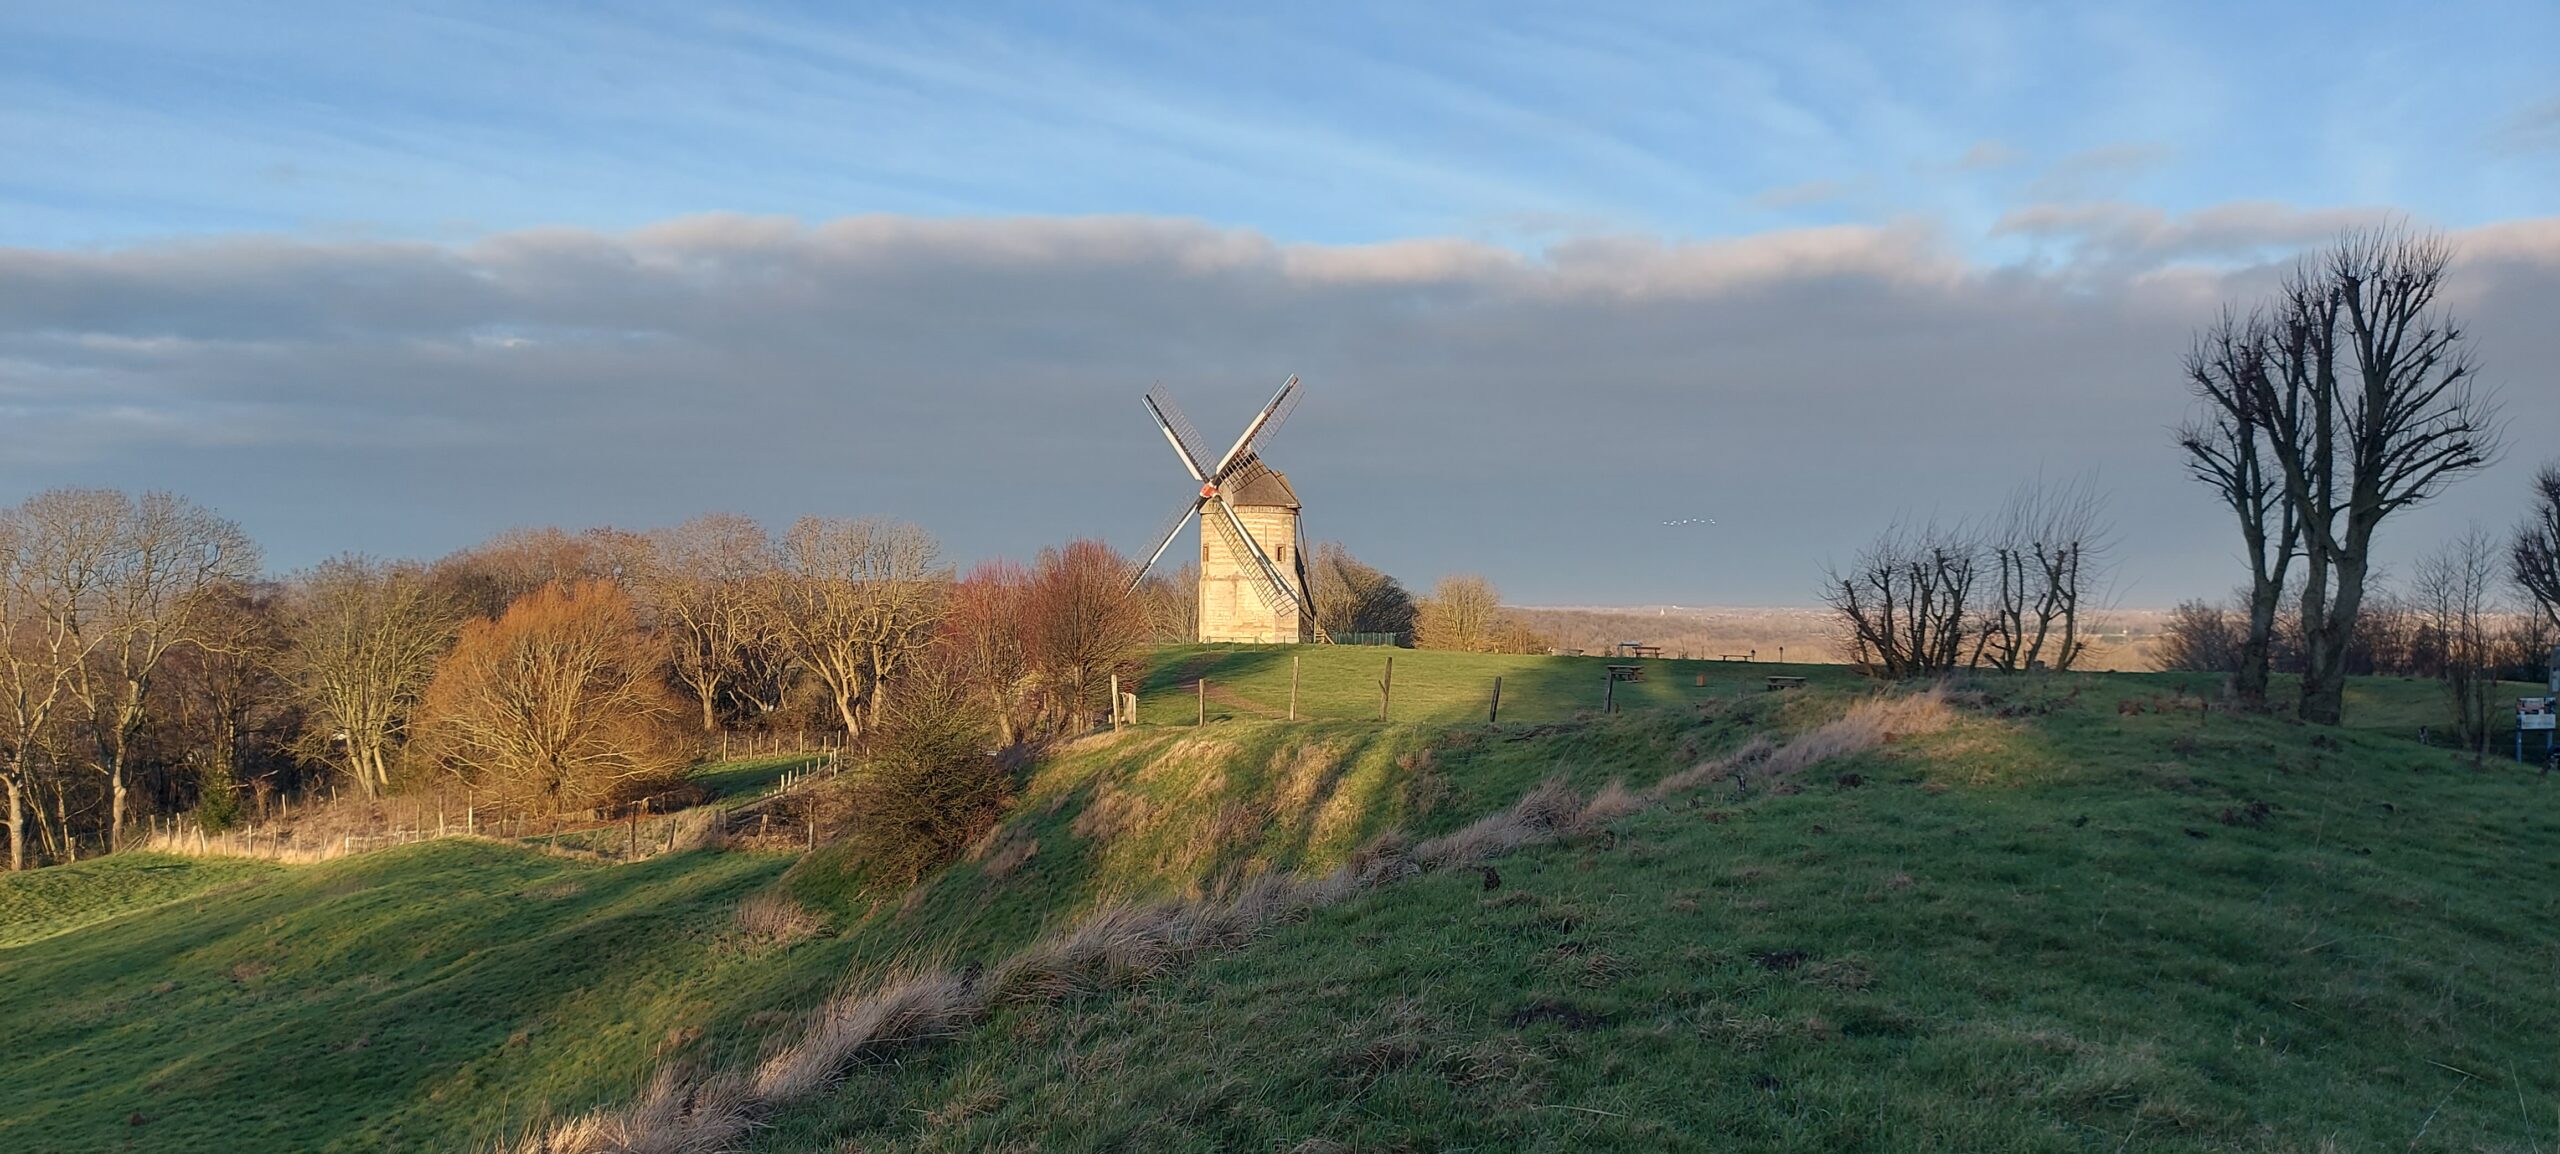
column 145, row 661
column 2010, row 592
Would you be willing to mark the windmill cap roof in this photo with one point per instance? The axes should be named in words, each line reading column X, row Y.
column 1263, row 488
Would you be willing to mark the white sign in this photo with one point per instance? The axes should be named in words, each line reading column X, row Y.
column 2535, row 713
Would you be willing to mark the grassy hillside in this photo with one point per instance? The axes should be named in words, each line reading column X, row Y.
column 2091, row 917
column 2059, row 925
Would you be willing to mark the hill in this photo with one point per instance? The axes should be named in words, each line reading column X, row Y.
column 2085, row 912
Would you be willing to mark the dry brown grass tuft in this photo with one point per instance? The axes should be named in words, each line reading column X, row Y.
column 1737, row 763
column 1536, row 818
column 903, row 1009
column 1868, row 724
column 1017, row 852
column 771, row 920
column 672, row 1116
column 1614, row 801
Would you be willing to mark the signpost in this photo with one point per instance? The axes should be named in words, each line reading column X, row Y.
column 2535, row 713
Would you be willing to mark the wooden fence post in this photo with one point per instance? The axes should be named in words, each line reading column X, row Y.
column 1293, row 687
column 1115, row 703
column 1494, row 716
column 1609, row 697
column 1387, row 688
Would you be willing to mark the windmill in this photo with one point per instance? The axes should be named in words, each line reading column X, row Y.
column 1253, row 571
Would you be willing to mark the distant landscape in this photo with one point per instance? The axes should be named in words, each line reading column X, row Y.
column 2119, row 638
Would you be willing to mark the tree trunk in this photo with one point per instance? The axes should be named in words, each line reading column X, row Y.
column 2324, row 666
column 710, row 714
column 17, row 824
column 115, row 809
column 2249, row 682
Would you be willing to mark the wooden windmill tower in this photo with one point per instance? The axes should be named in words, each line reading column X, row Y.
column 1253, row 569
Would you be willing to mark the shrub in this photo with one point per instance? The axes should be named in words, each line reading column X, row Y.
column 928, row 786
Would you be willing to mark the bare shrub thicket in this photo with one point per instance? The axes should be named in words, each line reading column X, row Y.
column 1906, row 604
column 2047, row 550
column 2453, row 588
column 2201, row 637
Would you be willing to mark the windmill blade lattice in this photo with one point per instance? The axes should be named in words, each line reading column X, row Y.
column 1186, row 437
column 1164, row 538
column 1273, row 412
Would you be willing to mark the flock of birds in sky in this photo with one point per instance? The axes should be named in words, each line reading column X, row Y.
column 1692, row 521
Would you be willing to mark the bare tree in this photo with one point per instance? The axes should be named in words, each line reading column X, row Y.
column 2227, row 448
column 55, row 553
column 2533, row 558
column 1084, row 626
column 560, row 704
column 2369, row 407
column 365, row 638
column 228, row 708
column 700, row 585
column 2453, row 590
column 1906, row 604
column 168, row 558
column 987, row 644
column 855, row 600
column 1171, row 602
column 1464, row 612
column 2048, row 553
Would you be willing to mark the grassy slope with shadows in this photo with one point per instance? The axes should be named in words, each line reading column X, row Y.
column 440, row 995
column 2105, row 920
column 1977, row 969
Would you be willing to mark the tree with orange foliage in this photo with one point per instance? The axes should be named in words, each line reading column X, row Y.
column 561, row 704
column 1084, row 626
column 986, row 643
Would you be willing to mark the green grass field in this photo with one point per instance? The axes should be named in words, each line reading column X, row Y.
column 2090, row 916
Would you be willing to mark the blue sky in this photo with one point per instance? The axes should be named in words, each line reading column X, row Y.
column 394, row 280
column 125, row 122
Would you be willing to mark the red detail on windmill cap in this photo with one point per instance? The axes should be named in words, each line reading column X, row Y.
column 1208, row 489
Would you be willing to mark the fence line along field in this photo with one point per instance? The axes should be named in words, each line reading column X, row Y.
column 1351, row 683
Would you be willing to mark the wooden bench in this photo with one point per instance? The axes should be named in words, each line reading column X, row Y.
column 1738, row 656
column 1778, row 682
